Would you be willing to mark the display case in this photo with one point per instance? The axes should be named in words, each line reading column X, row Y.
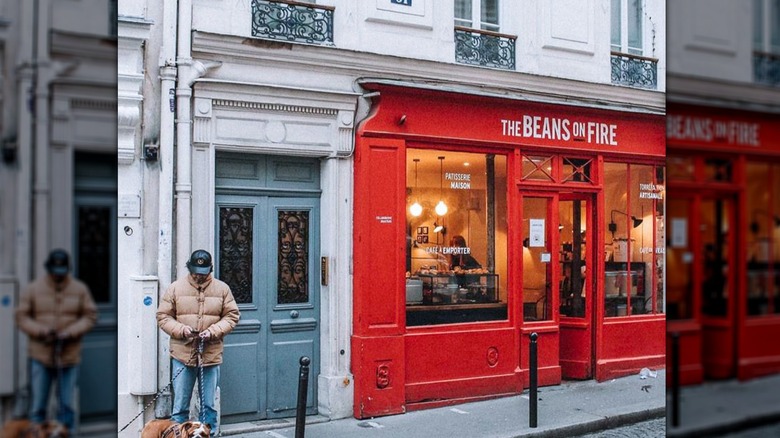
column 619, row 283
column 450, row 298
column 459, row 288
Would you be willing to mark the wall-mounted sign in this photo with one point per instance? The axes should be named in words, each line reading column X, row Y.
column 560, row 129
column 536, row 233
column 401, row 2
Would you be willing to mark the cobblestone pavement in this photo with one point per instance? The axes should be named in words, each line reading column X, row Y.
column 648, row 429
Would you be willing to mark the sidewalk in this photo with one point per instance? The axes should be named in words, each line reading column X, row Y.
column 716, row 408
column 571, row 409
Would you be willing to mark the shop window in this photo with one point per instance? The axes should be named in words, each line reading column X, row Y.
column 634, row 250
column 679, row 260
column 763, row 238
column 717, row 169
column 456, row 252
column 715, row 234
column 577, row 170
column 680, row 168
column 537, row 272
column 538, row 168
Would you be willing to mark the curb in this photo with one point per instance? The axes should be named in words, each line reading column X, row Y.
column 748, row 422
column 599, row 425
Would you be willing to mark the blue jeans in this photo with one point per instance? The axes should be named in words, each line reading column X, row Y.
column 182, row 393
column 41, row 378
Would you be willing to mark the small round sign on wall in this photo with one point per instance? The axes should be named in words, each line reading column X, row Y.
column 6, row 301
column 147, row 301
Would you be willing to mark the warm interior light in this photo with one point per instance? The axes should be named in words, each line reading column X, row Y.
column 439, row 228
column 416, row 209
column 441, row 208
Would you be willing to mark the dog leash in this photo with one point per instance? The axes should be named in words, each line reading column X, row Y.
column 196, row 355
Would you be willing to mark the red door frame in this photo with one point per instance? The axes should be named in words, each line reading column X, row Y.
column 548, row 357
column 582, row 331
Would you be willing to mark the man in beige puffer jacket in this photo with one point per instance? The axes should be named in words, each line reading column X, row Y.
column 194, row 309
column 55, row 312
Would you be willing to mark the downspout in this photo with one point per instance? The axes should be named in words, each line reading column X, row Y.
column 189, row 72
column 41, row 186
column 168, row 72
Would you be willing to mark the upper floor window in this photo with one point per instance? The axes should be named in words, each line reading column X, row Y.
column 631, row 66
column 486, row 10
column 626, row 32
column 766, row 41
column 766, row 28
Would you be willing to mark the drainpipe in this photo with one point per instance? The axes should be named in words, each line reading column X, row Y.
column 183, row 137
column 189, row 72
column 165, row 248
column 41, row 190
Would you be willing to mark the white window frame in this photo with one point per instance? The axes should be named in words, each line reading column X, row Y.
column 767, row 26
column 476, row 16
column 624, row 47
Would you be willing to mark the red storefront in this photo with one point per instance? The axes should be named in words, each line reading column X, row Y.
column 480, row 220
column 723, row 254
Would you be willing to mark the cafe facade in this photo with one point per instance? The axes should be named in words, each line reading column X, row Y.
column 724, row 241
column 559, row 213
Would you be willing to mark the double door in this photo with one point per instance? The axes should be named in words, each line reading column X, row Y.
column 557, row 273
column 267, row 250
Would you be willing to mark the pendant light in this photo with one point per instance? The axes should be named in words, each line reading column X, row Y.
column 441, row 207
column 416, row 208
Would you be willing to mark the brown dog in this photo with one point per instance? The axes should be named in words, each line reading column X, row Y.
column 172, row 429
column 24, row 428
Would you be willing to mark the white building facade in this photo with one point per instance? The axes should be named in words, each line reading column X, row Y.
column 237, row 124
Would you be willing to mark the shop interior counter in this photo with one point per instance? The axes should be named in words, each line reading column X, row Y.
column 453, row 297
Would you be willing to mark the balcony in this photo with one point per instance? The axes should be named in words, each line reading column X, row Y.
column 766, row 68
column 292, row 21
column 484, row 48
column 634, row 71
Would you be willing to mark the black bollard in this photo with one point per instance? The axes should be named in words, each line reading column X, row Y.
column 303, row 386
column 533, row 377
column 675, row 379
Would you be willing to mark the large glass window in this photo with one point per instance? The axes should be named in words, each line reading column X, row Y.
column 456, row 252
column 626, row 26
column 763, row 236
column 634, row 250
column 486, row 10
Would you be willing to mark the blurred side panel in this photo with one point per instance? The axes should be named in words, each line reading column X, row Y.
column 723, row 250
column 58, row 182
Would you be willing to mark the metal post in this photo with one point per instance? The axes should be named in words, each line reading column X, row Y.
column 675, row 379
column 303, row 386
column 533, row 398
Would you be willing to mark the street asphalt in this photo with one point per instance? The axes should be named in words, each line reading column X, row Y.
column 571, row 409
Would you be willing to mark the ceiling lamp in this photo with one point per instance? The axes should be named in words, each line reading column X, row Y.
column 441, row 207
column 416, row 209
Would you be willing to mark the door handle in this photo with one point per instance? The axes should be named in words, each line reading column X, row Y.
column 293, row 314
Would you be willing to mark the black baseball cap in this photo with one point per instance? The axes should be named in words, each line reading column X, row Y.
column 200, row 262
column 58, row 262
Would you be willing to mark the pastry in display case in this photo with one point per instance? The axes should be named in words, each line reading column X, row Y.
column 459, row 286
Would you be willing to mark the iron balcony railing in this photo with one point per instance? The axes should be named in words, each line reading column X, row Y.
column 484, row 48
column 634, row 71
column 292, row 21
column 766, row 68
